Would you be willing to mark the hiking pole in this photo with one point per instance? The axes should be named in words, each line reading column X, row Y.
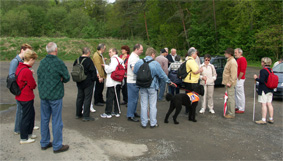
column 117, row 99
column 254, row 101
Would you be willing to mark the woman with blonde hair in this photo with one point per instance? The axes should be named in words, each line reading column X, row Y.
column 265, row 94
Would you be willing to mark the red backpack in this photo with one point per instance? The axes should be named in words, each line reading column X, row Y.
column 272, row 80
column 119, row 73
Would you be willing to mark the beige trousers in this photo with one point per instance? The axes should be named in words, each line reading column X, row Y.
column 231, row 100
column 208, row 97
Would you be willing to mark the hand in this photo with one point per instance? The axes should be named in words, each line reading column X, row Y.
column 100, row 80
column 103, row 65
column 61, row 79
column 255, row 76
column 201, row 70
column 173, row 84
column 204, row 78
column 228, row 85
column 105, row 59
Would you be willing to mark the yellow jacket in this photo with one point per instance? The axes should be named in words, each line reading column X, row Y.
column 97, row 60
column 230, row 72
column 192, row 66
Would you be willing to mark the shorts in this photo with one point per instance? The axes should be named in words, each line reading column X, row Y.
column 265, row 98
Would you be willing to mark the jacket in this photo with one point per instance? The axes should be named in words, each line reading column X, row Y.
column 192, row 66
column 51, row 74
column 13, row 66
column 25, row 82
column 230, row 72
column 111, row 68
column 263, row 76
column 163, row 62
column 156, row 71
column 210, row 73
column 98, row 60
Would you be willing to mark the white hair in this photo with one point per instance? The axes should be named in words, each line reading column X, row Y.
column 239, row 50
column 191, row 51
column 173, row 49
column 51, row 47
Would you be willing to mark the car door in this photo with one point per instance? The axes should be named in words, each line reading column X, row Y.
column 219, row 70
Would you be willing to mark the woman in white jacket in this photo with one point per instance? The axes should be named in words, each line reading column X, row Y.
column 207, row 77
column 113, row 87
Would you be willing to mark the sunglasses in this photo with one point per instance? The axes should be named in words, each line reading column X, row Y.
column 207, row 59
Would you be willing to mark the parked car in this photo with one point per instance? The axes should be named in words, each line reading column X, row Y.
column 219, row 64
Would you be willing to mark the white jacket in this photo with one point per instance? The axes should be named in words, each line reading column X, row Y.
column 111, row 68
column 210, row 72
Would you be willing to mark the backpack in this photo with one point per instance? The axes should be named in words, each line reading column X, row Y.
column 272, row 80
column 144, row 77
column 182, row 71
column 78, row 73
column 13, row 86
column 174, row 78
column 119, row 73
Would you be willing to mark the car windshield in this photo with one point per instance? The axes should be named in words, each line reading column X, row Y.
column 278, row 68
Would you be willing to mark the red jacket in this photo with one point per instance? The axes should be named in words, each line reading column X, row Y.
column 25, row 77
column 125, row 62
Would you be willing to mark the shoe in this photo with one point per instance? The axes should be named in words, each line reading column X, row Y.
column 270, row 121
column 144, row 127
column 236, row 109
column 133, row 119
column 88, row 119
column 202, row 110
column 48, row 146
column 99, row 104
column 27, row 141
column 115, row 114
column 32, row 136
column 16, row 133
column 104, row 115
column 161, row 100
column 123, row 103
column 229, row 117
column 156, row 125
column 62, row 149
column 212, row 111
column 239, row 112
column 92, row 109
column 260, row 122
column 35, row 128
column 78, row 117
column 137, row 115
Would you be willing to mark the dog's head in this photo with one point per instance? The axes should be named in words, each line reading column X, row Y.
column 199, row 89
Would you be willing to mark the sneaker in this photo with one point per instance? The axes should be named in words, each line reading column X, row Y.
column 202, row 110
column 35, row 128
column 29, row 140
column 92, row 109
column 260, row 122
column 32, row 136
column 16, row 133
column 115, row 114
column 156, row 125
column 239, row 112
column 62, row 149
column 229, row 117
column 270, row 121
column 212, row 111
column 48, row 146
column 88, row 119
column 104, row 115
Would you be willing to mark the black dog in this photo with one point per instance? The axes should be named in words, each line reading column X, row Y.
column 182, row 99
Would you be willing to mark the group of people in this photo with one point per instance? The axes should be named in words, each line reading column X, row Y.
column 53, row 73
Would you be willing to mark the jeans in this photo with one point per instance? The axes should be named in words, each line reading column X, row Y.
column 27, row 121
column 148, row 96
column 162, row 85
column 111, row 97
column 84, row 99
column 133, row 96
column 18, row 117
column 51, row 108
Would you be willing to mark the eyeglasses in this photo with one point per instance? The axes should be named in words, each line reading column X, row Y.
column 207, row 59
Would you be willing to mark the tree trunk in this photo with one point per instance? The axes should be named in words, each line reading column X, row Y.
column 145, row 25
column 183, row 22
column 214, row 19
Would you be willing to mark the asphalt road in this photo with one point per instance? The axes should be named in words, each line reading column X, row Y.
column 212, row 137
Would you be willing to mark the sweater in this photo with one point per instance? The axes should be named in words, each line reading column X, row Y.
column 25, row 82
column 230, row 72
column 52, row 73
column 210, row 73
column 242, row 66
column 263, row 76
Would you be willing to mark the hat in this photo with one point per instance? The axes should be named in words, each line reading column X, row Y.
column 163, row 51
column 229, row 51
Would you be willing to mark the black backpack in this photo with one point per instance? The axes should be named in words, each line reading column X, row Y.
column 13, row 86
column 144, row 77
column 182, row 71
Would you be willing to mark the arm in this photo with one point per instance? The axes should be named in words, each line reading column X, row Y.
column 92, row 70
column 137, row 66
column 194, row 66
column 30, row 80
column 13, row 67
column 112, row 66
column 262, row 77
column 233, row 76
column 63, row 70
column 160, row 73
column 166, row 67
column 214, row 74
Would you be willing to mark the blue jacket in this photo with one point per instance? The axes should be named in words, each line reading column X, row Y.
column 263, row 75
column 13, row 66
column 156, row 71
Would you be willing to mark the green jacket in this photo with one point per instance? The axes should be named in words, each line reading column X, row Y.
column 50, row 72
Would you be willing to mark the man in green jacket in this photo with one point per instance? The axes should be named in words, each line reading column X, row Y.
column 52, row 73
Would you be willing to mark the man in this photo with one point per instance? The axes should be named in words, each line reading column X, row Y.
column 230, row 80
column 278, row 62
column 173, row 55
column 148, row 95
column 13, row 66
column 163, row 61
column 133, row 90
column 173, row 70
column 98, row 60
column 85, row 87
column 240, row 92
column 52, row 73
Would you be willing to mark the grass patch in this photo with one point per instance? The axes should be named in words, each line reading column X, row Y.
column 254, row 64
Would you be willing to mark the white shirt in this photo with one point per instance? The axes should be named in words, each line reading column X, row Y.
column 111, row 68
column 131, row 77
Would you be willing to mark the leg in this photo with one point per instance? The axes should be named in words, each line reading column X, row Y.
column 177, row 89
column 124, row 91
column 270, row 109
column 79, row 103
column 178, row 110
column 152, row 96
column 192, row 113
column 32, row 118
column 133, row 95
column 109, row 100
column 98, row 97
column 144, row 105
column 87, row 99
column 116, row 110
column 204, row 97
column 26, row 119
column 231, row 101
column 18, row 117
column 57, row 124
column 45, row 113
column 162, row 85
column 171, row 109
column 263, row 111
column 240, row 95
column 210, row 90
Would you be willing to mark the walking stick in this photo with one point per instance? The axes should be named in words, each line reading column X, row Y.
column 254, row 101
column 117, row 99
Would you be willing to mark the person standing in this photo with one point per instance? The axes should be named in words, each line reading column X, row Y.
column 52, row 74
column 173, row 70
column 172, row 56
column 265, row 94
column 98, row 60
column 240, row 92
column 133, row 90
column 125, row 56
column 113, row 87
column 85, row 87
column 149, row 95
column 163, row 61
column 230, row 81
column 207, row 77
column 13, row 66
column 27, row 84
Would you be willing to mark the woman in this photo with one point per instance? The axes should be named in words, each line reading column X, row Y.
column 207, row 77
column 125, row 56
column 27, row 84
column 265, row 94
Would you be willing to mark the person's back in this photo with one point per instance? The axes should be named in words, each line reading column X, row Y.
column 163, row 63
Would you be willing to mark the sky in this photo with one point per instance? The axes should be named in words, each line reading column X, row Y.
column 111, row 1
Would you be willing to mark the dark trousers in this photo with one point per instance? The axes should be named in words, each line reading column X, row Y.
column 98, row 97
column 190, row 87
column 28, row 116
column 111, row 97
column 174, row 90
column 84, row 99
column 124, row 91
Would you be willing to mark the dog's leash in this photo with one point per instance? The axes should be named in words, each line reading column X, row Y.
column 187, row 90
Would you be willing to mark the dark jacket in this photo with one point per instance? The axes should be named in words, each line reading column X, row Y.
column 263, row 75
column 170, row 59
column 90, row 71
